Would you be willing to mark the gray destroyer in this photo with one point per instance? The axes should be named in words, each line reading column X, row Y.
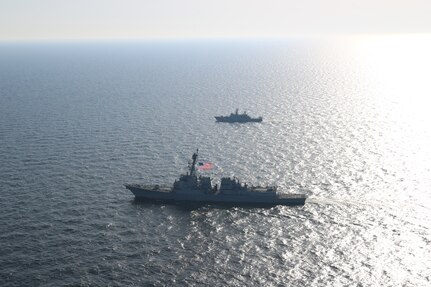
column 190, row 188
column 237, row 118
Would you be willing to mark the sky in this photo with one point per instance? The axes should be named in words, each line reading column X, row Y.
column 138, row 19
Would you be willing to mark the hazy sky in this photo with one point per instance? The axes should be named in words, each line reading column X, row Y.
column 105, row 19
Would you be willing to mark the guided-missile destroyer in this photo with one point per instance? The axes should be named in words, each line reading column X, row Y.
column 191, row 188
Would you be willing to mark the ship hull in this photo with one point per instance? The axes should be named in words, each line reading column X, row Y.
column 229, row 120
column 148, row 194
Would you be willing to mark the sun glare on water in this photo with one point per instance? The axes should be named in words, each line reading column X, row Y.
column 401, row 65
column 400, row 68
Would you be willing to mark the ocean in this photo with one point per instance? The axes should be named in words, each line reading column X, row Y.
column 345, row 120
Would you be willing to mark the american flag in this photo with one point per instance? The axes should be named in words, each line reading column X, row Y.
column 204, row 165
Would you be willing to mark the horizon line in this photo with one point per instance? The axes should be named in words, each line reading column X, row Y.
column 208, row 37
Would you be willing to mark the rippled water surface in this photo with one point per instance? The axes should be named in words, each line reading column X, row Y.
column 346, row 121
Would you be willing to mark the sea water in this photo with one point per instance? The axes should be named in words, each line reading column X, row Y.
column 345, row 121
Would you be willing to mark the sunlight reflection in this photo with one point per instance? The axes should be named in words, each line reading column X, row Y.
column 401, row 65
column 399, row 68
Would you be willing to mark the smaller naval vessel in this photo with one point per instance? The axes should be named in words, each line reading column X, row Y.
column 237, row 118
column 190, row 188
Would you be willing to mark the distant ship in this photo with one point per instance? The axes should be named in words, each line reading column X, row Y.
column 237, row 118
column 191, row 188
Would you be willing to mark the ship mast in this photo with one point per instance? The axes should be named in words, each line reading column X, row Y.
column 192, row 167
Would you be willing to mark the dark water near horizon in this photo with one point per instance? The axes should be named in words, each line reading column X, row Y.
column 346, row 121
